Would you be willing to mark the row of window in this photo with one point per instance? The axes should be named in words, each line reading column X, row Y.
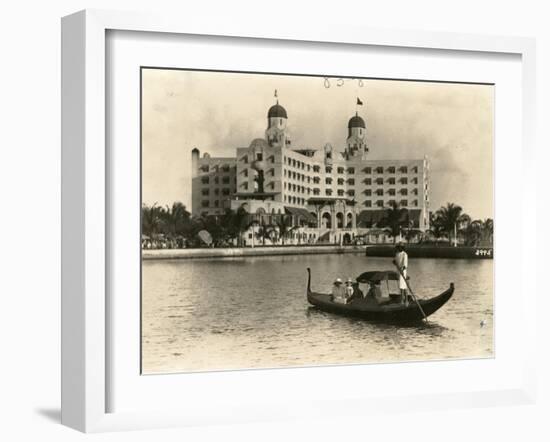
column 390, row 169
column 380, row 181
column 216, row 180
column 225, row 168
column 295, row 200
column 380, row 192
column 224, row 192
column 380, row 203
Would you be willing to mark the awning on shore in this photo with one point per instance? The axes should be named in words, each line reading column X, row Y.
column 301, row 213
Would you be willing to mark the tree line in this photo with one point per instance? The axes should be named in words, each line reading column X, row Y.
column 448, row 222
column 175, row 227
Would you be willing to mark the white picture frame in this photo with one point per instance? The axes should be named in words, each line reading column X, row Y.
column 85, row 210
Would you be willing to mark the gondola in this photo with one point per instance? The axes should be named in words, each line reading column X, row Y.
column 391, row 311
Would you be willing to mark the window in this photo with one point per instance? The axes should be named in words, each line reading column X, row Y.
column 391, row 192
column 415, row 203
column 351, row 192
column 204, row 203
column 415, row 191
column 316, row 191
column 225, row 192
column 368, row 203
column 328, row 181
column 404, row 180
column 415, row 169
column 391, row 180
column 316, row 180
column 216, row 191
column 205, row 180
column 245, row 172
column 225, row 180
column 379, row 192
column 404, row 192
column 216, row 180
column 340, row 181
column 340, row 192
column 351, row 170
column 368, row 192
column 404, row 203
column 328, row 169
column 403, row 169
column 379, row 170
column 205, row 192
column 368, row 169
column 225, row 168
column 328, row 192
column 391, row 169
column 205, row 168
column 316, row 169
column 351, row 181
column 380, row 203
column 245, row 159
column 216, row 203
column 245, row 185
column 340, row 170
column 379, row 181
column 368, row 181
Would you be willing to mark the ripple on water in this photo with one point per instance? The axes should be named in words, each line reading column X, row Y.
column 252, row 313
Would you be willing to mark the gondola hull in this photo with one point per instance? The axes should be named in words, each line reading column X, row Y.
column 389, row 313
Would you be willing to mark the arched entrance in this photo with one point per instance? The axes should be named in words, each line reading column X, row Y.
column 349, row 220
column 347, row 238
column 325, row 221
column 339, row 220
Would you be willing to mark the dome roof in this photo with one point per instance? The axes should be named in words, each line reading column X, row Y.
column 259, row 143
column 356, row 121
column 277, row 111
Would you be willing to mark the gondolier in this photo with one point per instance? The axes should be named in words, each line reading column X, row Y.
column 401, row 260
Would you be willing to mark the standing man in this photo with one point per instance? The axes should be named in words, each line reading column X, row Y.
column 401, row 260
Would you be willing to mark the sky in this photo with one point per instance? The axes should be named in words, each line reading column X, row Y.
column 216, row 112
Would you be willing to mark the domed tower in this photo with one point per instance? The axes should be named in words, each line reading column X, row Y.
column 276, row 132
column 357, row 136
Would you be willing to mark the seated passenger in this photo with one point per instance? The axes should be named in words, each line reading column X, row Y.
column 338, row 292
column 374, row 294
column 349, row 289
column 357, row 293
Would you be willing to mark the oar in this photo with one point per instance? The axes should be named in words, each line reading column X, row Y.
column 410, row 290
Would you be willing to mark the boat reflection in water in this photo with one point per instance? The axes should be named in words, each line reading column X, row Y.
column 218, row 314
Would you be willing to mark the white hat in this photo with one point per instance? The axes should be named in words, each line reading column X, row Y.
column 349, row 279
column 338, row 281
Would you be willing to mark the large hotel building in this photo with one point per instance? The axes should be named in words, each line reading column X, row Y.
column 331, row 195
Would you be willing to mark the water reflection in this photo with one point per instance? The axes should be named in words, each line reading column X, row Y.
column 252, row 313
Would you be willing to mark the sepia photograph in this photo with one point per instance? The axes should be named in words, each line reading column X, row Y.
column 309, row 220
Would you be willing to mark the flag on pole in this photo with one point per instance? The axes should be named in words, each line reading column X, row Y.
column 359, row 102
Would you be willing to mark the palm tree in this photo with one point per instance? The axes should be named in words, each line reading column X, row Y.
column 151, row 219
column 395, row 219
column 177, row 218
column 487, row 228
column 473, row 233
column 449, row 218
column 284, row 223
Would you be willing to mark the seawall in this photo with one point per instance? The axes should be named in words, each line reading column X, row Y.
column 235, row 252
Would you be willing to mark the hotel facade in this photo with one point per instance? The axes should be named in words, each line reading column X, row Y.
column 332, row 196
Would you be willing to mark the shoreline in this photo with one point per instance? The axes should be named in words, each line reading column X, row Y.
column 237, row 252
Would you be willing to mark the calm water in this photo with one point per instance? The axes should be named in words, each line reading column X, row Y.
column 253, row 313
